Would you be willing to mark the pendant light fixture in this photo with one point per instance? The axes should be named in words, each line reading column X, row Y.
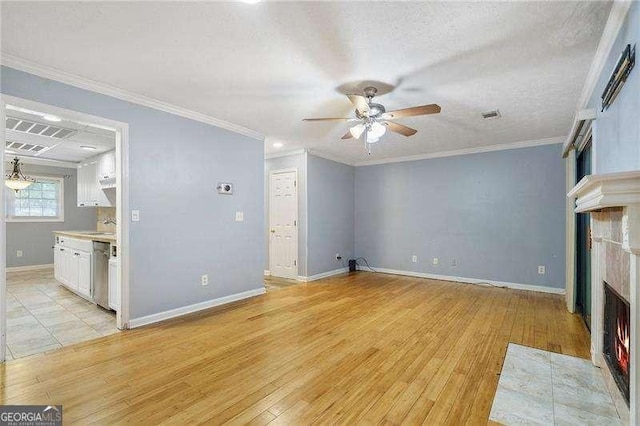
column 16, row 180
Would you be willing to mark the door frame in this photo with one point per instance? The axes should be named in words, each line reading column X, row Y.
column 571, row 234
column 122, row 204
column 587, row 142
column 297, row 219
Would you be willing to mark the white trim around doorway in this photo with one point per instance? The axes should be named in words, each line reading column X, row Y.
column 122, row 204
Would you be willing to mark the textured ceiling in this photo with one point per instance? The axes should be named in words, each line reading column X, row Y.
column 267, row 66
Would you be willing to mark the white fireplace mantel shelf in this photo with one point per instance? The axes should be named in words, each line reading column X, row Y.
column 596, row 192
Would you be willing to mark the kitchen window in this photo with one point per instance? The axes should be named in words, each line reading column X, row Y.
column 42, row 201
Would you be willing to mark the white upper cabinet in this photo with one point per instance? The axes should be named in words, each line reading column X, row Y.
column 107, row 169
column 87, row 184
column 90, row 190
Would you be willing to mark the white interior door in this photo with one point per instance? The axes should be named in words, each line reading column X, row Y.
column 283, row 224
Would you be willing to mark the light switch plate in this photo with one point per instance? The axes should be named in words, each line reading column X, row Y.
column 239, row 216
column 135, row 215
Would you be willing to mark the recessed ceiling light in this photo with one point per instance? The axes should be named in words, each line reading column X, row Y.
column 88, row 148
column 50, row 117
column 8, row 151
column 278, row 145
column 251, row 1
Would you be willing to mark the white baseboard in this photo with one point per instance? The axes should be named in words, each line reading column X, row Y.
column 177, row 312
column 322, row 275
column 267, row 272
column 29, row 268
column 515, row 286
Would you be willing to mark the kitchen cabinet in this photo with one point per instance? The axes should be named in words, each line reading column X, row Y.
column 90, row 193
column 62, row 265
column 57, row 263
column 114, row 284
column 72, row 263
column 84, row 273
column 107, row 168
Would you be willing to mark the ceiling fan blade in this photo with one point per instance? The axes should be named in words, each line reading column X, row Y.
column 409, row 112
column 399, row 128
column 360, row 102
column 328, row 119
column 347, row 135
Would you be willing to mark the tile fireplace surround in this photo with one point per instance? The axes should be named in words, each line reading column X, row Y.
column 614, row 203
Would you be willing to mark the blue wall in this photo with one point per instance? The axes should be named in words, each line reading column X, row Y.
column 186, row 229
column 498, row 214
column 330, row 189
column 616, row 135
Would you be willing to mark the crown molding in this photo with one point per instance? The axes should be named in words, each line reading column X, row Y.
column 284, row 153
column 611, row 30
column 44, row 71
column 329, row 157
column 465, row 151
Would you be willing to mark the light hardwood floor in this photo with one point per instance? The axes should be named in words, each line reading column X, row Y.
column 355, row 348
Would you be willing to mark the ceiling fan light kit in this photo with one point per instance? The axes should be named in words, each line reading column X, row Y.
column 374, row 120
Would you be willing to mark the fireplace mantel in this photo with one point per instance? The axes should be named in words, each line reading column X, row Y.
column 596, row 192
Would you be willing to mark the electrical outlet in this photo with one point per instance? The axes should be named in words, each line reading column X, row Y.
column 239, row 216
column 435, row 261
column 338, row 257
column 542, row 270
column 135, row 215
column 454, row 262
column 414, row 258
column 19, row 253
column 205, row 279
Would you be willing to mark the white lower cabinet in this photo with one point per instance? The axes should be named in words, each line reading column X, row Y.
column 114, row 284
column 84, row 273
column 72, row 266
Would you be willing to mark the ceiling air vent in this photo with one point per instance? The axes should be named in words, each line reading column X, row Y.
column 491, row 114
column 24, row 148
column 33, row 128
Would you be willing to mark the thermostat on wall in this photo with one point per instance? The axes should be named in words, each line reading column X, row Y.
column 225, row 188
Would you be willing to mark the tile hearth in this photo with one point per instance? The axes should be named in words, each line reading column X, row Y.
column 43, row 316
column 540, row 387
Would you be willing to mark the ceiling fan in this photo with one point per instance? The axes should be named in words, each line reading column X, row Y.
column 374, row 120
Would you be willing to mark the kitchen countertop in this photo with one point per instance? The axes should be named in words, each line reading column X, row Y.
column 89, row 235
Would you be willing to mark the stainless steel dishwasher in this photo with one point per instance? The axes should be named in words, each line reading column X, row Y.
column 101, row 273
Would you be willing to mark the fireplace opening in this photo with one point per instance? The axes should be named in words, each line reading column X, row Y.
column 617, row 333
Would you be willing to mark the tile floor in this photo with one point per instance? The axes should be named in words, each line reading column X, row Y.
column 42, row 315
column 540, row 387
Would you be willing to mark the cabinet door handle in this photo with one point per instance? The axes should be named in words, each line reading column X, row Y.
column 61, row 249
column 77, row 254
